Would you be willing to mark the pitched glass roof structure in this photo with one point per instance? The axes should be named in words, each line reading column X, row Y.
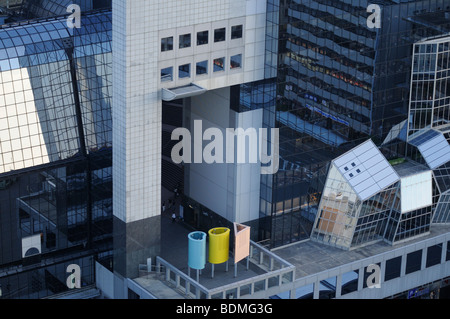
column 434, row 148
column 366, row 170
column 365, row 199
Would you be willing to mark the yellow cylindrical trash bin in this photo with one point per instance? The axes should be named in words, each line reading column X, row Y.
column 219, row 244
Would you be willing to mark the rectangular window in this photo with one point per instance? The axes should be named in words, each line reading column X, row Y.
column 393, row 268
column 202, row 37
column 434, row 255
column 185, row 41
column 218, row 64
column 236, row 61
column 349, row 282
column 447, row 255
column 413, row 261
column 167, row 74
column 184, row 71
column 328, row 288
column 236, row 32
column 219, row 35
column 166, row 44
column 202, row 68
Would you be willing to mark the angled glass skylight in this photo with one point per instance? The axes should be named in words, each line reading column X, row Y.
column 434, row 148
column 366, row 170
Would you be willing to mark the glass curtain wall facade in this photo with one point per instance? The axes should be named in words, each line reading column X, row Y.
column 338, row 83
column 430, row 87
column 55, row 152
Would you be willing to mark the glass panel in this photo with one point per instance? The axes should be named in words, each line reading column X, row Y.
column 236, row 32
column 202, row 37
column 219, row 35
column 393, row 268
column 413, row 261
column 434, row 255
column 185, row 41
column 166, row 44
column 219, row 64
column 327, row 288
column 167, row 74
column 184, row 71
column 349, row 282
column 236, row 61
column 305, row 292
column 202, row 67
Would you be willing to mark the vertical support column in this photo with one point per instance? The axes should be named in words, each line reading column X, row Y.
column 444, row 252
column 360, row 279
column 316, row 289
column 383, row 271
column 403, row 265
column 338, row 286
column 137, row 117
column 423, row 263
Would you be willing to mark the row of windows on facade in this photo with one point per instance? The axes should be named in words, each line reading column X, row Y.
column 201, row 68
column 392, row 269
column 202, row 38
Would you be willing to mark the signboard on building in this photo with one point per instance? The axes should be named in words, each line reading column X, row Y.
column 241, row 242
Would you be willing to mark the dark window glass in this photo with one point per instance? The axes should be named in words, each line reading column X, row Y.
column 184, row 71
column 349, row 282
column 185, row 41
column 393, row 268
column 236, row 32
column 202, row 68
column 166, row 44
column 219, row 35
column 202, row 37
column 434, row 255
column 218, row 64
column 413, row 261
column 132, row 294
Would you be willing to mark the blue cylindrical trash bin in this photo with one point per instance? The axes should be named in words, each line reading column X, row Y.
column 197, row 250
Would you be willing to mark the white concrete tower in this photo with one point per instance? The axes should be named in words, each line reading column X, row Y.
column 164, row 44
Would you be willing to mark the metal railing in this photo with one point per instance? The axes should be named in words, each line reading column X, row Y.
column 181, row 280
column 278, row 273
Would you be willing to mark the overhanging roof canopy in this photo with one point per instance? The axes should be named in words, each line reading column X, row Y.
column 182, row 92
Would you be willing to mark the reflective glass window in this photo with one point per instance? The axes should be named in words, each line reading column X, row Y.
column 236, row 32
column 166, row 44
column 202, row 67
column 219, row 64
column 219, row 35
column 185, row 41
column 167, row 74
column 202, row 37
column 184, row 71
